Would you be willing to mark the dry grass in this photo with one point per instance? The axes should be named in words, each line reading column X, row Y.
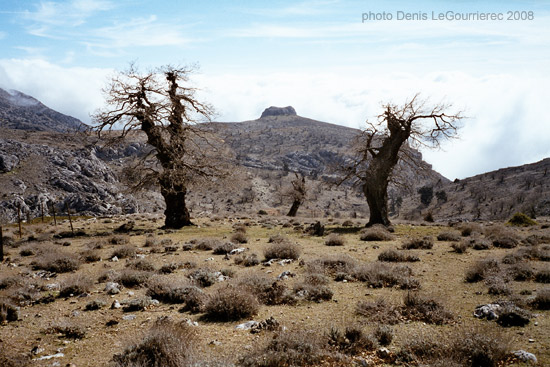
column 335, row 240
column 75, row 285
column 56, row 261
column 392, row 255
column 376, row 233
column 424, row 243
column 452, row 236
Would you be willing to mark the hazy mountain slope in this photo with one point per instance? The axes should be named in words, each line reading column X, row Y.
column 23, row 112
column 492, row 195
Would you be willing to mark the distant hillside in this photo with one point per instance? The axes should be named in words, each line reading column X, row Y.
column 493, row 195
column 23, row 112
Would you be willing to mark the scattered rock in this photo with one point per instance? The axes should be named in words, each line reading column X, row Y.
column 285, row 275
column 57, row 355
column 488, row 311
column 237, row 251
column 116, row 305
column 129, row 317
column 112, row 288
column 316, row 229
column 246, row 325
column 525, row 356
column 269, row 324
column 285, row 262
column 114, row 259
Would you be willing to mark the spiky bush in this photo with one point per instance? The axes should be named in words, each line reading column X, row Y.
column 282, row 250
column 335, row 240
column 425, row 243
column 230, row 303
column 376, row 233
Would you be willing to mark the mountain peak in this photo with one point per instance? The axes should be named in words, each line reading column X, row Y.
column 279, row 111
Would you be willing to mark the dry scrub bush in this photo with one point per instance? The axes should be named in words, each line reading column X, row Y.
column 288, row 348
column 479, row 244
column 277, row 238
column 56, row 261
column 282, row 250
column 75, row 285
column 314, row 288
column 10, row 360
column 223, row 248
column 378, row 275
column 502, row 237
column 133, row 278
column 469, row 229
column 497, row 286
column 425, row 243
column 383, row 334
column 542, row 300
column 95, row 305
column 460, row 247
column 207, row 244
column 392, row 255
column 67, row 329
column 90, row 256
column 376, row 233
column 124, row 252
column 204, row 277
column 119, row 240
column 230, row 303
column 543, row 276
column 452, row 236
column 141, row 264
column 239, row 237
column 335, row 240
column 247, row 260
column 169, row 290
column 481, row 269
column 166, row 344
column 268, row 291
column 8, row 311
column 352, row 340
column 337, row 266
column 11, row 281
column 520, row 272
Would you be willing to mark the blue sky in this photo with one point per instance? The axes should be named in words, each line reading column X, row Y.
column 317, row 55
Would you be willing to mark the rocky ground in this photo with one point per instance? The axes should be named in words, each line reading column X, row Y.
column 405, row 297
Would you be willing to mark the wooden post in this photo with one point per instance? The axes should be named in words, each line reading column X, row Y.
column 69, row 215
column 1, row 245
column 28, row 217
column 53, row 212
column 19, row 220
column 42, row 210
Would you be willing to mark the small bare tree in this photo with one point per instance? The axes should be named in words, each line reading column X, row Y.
column 383, row 144
column 160, row 104
column 297, row 193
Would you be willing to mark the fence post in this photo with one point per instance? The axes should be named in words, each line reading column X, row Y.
column 69, row 215
column 42, row 210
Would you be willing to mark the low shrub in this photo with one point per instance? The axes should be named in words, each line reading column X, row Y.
column 313, row 292
column 247, row 260
column 383, row 334
column 166, row 344
column 223, row 248
column 480, row 269
column 133, row 278
column 11, row 281
column 282, row 250
column 67, row 329
column 543, row 276
column 56, row 261
column 520, row 272
column 335, row 240
column 378, row 311
column 375, row 233
column 207, row 244
column 119, row 240
column 479, row 347
column 8, row 311
column 521, row 220
column 428, row 310
column 95, row 305
column 75, row 285
column 425, row 243
column 230, row 304
column 169, row 268
column 542, row 300
column 239, row 237
column 124, row 252
column 460, row 247
column 497, row 286
column 449, row 236
column 469, row 229
column 396, row 256
column 268, row 291
column 333, row 265
column 378, row 275
column 141, row 264
column 90, row 256
column 175, row 291
column 288, row 348
column 480, row 244
column 352, row 341
column 204, row 277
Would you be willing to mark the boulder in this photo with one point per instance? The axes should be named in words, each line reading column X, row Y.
column 279, row 111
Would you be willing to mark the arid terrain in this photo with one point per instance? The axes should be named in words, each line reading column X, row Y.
column 339, row 301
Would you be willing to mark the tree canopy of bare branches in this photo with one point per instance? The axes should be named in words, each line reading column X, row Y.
column 381, row 145
column 162, row 105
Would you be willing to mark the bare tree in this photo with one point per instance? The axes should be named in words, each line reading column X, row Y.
column 297, row 193
column 160, row 104
column 382, row 145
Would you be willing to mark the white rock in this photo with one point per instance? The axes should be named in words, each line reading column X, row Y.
column 247, row 325
column 525, row 356
column 114, row 259
column 57, row 355
column 237, row 251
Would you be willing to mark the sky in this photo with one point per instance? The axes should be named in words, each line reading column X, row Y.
column 336, row 61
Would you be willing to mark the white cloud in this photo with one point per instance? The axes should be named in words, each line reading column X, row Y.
column 68, row 13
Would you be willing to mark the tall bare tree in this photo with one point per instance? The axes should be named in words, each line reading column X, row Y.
column 383, row 144
column 162, row 105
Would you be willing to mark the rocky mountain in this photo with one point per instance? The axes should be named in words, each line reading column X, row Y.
column 23, row 112
column 492, row 195
column 37, row 167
